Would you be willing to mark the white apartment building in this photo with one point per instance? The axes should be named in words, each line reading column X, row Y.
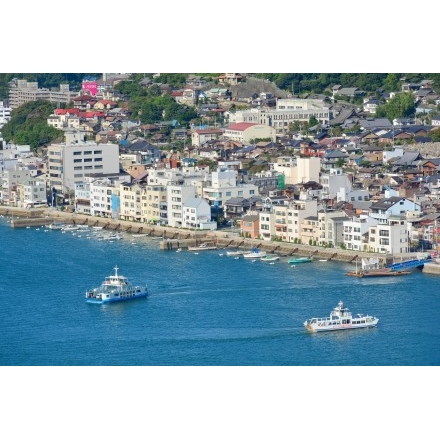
column 389, row 238
column 353, row 196
column 296, row 213
column 334, row 182
column 5, row 114
column 10, row 180
column 71, row 163
column 165, row 176
column 82, row 198
column 299, row 169
column 224, row 186
column 287, row 111
column 267, row 220
column 331, row 228
column 22, row 91
column 356, row 232
column 177, row 196
column 32, row 193
column 104, row 198
column 197, row 215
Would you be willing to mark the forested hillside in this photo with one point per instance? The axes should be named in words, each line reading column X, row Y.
column 28, row 125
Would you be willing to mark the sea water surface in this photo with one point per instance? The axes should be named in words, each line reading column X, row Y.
column 203, row 309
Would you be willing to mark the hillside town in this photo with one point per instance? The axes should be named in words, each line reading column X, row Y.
column 316, row 170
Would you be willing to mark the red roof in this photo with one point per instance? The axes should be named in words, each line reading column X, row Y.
column 66, row 111
column 241, row 126
column 84, row 98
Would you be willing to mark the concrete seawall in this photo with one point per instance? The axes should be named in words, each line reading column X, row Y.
column 174, row 237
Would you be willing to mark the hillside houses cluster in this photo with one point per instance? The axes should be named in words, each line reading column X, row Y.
column 373, row 189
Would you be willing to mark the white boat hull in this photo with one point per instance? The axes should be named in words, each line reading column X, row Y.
column 111, row 298
column 316, row 328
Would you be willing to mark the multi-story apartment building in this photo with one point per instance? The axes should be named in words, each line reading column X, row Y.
column 177, row 196
column 331, row 228
column 130, row 201
column 32, row 193
column 11, row 178
column 334, row 182
column 297, row 212
column 154, row 204
column 299, row 169
column 310, row 230
column 104, row 198
column 197, row 215
column 82, row 198
column 267, row 220
column 71, row 162
column 5, row 114
column 22, row 91
column 224, row 186
column 391, row 237
column 356, row 232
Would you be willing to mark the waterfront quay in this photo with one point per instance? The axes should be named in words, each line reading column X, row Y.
column 173, row 238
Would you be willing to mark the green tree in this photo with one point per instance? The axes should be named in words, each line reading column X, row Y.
column 435, row 134
column 400, row 106
column 28, row 125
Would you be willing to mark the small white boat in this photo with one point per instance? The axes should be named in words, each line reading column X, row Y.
column 234, row 253
column 70, row 228
column 255, row 253
column 340, row 319
column 55, row 226
column 203, row 247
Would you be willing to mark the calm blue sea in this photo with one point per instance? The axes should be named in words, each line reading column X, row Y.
column 202, row 310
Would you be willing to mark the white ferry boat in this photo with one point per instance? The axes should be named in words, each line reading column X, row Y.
column 340, row 319
column 115, row 288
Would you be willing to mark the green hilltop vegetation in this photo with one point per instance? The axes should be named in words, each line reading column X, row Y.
column 28, row 125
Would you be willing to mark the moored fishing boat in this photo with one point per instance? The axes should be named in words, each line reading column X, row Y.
column 270, row 258
column 299, row 260
column 234, row 253
column 115, row 288
column 254, row 253
column 207, row 246
column 340, row 319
